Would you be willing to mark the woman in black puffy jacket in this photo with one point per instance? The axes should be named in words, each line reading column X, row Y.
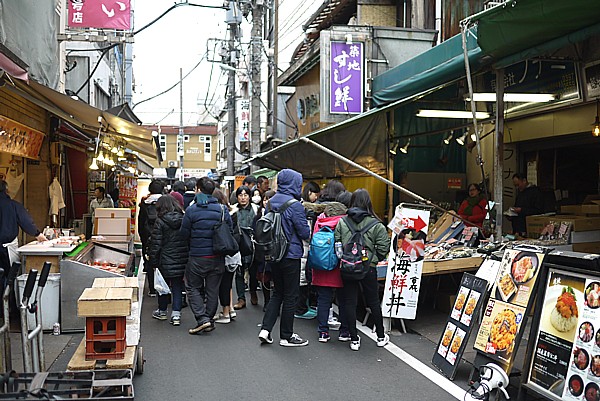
column 169, row 250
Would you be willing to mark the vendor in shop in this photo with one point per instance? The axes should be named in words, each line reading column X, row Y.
column 13, row 215
column 529, row 201
column 101, row 199
column 473, row 209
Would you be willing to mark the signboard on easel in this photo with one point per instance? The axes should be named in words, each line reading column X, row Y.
column 459, row 324
column 405, row 262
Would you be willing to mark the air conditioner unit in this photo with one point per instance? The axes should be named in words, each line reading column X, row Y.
column 173, row 163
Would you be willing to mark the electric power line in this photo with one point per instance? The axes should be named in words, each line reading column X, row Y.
column 174, row 85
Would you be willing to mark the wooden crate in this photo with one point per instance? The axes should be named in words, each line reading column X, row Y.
column 105, row 302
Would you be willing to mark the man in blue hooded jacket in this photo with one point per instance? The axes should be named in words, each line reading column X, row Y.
column 286, row 273
column 204, row 269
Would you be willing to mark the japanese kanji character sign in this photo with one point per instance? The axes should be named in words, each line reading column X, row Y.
column 111, row 14
column 346, row 79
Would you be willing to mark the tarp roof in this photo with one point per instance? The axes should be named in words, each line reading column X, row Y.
column 85, row 117
column 363, row 139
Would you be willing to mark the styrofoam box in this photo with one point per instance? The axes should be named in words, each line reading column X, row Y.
column 50, row 303
column 112, row 213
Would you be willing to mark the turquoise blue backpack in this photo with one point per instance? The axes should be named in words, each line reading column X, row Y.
column 321, row 251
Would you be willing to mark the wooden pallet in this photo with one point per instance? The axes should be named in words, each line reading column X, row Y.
column 78, row 361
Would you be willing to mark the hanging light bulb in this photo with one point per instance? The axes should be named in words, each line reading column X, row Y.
column 131, row 169
column 461, row 139
column 448, row 139
column 93, row 166
column 121, row 152
column 114, row 149
column 101, row 157
column 394, row 148
column 404, row 149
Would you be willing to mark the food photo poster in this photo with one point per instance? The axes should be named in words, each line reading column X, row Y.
column 583, row 369
column 499, row 327
column 559, row 325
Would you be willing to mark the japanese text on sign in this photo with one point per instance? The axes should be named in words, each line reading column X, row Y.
column 112, row 14
column 405, row 263
column 346, row 78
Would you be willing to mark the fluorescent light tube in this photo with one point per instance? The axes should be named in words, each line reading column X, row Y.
column 451, row 114
column 514, row 97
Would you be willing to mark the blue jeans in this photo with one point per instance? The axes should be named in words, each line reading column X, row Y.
column 286, row 281
column 324, row 300
column 176, row 286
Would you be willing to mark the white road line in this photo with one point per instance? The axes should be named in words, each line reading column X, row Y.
column 435, row 377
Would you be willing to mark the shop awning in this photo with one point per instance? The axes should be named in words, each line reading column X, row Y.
column 520, row 25
column 85, row 117
column 363, row 139
column 432, row 69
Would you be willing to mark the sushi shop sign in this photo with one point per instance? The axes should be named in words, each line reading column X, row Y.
column 508, row 306
column 565, row 364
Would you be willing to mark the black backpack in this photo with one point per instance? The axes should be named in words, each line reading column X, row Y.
column 152, row 215
column 354, row 263
column 269, row 238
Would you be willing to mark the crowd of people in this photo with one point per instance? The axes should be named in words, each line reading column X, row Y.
column 176, row 230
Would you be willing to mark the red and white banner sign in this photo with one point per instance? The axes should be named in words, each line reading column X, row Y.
column 111, row 14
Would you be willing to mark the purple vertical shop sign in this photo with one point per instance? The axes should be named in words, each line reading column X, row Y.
column 346, row 78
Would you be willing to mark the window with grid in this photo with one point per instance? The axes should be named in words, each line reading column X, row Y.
column 162, row 140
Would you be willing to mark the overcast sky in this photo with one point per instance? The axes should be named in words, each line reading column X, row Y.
column 180, row 40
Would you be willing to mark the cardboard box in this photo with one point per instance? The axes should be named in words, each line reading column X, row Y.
column 111, row 227
column 112, row 213
column 535, row 224
column 105, row 302
column 593, row 208
column 572, row 209
column 587, row 247
column 119, row 282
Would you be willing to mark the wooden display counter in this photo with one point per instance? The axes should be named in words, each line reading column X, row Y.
column 34, row 254
column 460, row 265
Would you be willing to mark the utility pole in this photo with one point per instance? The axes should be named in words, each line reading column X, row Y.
column 272, row 34
column 233, row 19
column 180, row 150
column 255, row 64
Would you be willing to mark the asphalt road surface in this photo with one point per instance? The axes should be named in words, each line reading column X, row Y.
column 230, row 364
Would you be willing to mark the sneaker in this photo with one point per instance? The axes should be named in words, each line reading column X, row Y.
column 265, row 337
column 223, row 319
column 159, row 314
column 382, row 342
column 176, row 320
column 324, row 337
column 204, row 327
column 344, row 337
column 355, row 345
column 334, row 324
column 232, row 313
column 309, row 314
column 293, row 341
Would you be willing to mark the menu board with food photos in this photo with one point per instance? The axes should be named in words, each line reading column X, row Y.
column 462, row 317
column 565, row 361
column 512, row 293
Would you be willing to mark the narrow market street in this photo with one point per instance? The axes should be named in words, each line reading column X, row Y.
column 230, row 363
